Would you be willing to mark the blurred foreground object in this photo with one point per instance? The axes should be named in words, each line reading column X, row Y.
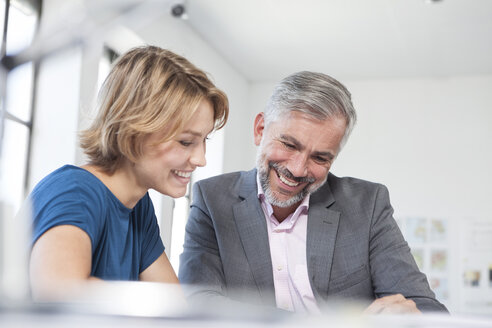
column 124, row 298
column 15, row 236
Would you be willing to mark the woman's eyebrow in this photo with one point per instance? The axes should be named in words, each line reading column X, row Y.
column 194, row 133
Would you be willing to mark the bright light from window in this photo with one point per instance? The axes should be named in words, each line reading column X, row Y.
column 20, row 30
column 19, row 89
column 180, row 213
column 103, row 70
column 13, row 165
column 2, row 16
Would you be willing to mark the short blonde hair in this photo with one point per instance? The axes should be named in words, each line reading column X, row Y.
column 149, row 89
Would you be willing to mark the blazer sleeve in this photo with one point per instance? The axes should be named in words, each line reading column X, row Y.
column 393, row 268
column 200, row 269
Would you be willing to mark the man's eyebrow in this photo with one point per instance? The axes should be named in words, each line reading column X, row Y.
column 296, row 143
column 291, row 139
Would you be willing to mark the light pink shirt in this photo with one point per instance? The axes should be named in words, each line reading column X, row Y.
column 288, row 250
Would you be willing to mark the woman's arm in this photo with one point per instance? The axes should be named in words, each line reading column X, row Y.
column 60, row 260
column 160, row 271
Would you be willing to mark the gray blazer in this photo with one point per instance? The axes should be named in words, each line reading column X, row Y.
column 355, row 250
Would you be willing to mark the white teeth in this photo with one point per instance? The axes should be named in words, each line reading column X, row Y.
column 182, row 174
column 287, row 182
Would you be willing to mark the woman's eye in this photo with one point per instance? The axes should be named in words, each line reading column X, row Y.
column 186, row 143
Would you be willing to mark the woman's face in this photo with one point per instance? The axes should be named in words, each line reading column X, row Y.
column 167, row 167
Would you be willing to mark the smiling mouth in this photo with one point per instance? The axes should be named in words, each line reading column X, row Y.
column 182, row 174
column 287, row 182
column 287, row 178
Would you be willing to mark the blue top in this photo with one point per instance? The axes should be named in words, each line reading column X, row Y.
column 124, row 241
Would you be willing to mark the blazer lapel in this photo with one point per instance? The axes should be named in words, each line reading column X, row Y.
column 320, row 241
column 251, row 225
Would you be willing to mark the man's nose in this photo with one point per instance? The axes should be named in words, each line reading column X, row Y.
column 298, row 165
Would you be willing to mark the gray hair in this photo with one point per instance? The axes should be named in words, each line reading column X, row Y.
column 315, row 94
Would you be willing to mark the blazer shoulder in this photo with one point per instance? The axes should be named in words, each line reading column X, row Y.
column 219, row 180
column 349, row 191
column 233, row 183
column 351, row 184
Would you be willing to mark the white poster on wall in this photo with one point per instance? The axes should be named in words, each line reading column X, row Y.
column 476, row 266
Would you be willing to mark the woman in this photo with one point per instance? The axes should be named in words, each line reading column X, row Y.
column 97, row 221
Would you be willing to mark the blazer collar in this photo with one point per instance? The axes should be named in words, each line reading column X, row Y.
column 251, row 225
column 247, row 184
column 323, row 195
column 320, row 240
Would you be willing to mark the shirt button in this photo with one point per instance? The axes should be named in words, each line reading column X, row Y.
column 279, row 268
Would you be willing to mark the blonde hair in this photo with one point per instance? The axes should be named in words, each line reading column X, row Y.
column 149, row 89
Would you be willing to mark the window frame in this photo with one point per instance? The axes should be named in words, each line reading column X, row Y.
column 8, row 64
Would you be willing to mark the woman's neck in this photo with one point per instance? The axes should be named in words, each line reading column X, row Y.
column 121, row 183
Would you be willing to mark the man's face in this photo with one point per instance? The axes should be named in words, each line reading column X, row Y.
column 295, row 154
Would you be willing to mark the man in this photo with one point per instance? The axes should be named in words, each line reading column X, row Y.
column 289, row 233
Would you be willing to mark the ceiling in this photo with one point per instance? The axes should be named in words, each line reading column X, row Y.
column 265, row 40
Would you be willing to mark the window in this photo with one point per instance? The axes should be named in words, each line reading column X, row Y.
column 19, row 20
column 179, row 217
column 108, row 57
column 19, row 25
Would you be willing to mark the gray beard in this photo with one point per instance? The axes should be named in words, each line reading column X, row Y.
column 264, row 177
column 270, row 196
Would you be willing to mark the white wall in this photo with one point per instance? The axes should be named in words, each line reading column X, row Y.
column 428, row 140
column 56, row 117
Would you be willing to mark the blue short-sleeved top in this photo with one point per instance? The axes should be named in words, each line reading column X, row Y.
column 124, row 241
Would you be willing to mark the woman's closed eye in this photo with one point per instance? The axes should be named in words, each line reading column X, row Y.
column 186, row 143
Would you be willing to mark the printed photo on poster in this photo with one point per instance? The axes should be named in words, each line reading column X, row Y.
column 440, row 288
column 471, row 278
column 439, row 260
column 490, row 275
column 418, row 255
column 438, row 230
column 416, row 230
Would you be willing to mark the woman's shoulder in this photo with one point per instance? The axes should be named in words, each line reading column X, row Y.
column 69, row 195
column 68, row 179
column 68, row 171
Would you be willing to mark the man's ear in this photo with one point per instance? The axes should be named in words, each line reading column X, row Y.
column 259, row 128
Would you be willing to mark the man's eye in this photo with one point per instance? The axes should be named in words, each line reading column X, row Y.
column 288, row 145
column 321, row 160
